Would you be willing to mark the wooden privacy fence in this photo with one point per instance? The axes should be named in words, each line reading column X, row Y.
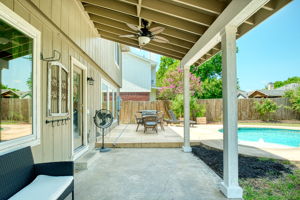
column 13, row 109
column 214, row 109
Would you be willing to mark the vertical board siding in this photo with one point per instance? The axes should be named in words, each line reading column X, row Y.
column 64, row 28
column 214, row 109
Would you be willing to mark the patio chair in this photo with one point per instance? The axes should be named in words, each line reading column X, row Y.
column 150, row 121
column 149, row 112
column 139, row 121
column 174, row 120
column 160, row 120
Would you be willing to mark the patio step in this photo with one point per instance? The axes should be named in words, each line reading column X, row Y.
column 145, row 144
column 86, row 160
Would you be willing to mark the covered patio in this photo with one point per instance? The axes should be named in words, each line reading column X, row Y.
column 147, row 174
column 195, row 30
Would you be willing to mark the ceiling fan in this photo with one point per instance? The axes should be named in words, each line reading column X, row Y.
column 145, row 35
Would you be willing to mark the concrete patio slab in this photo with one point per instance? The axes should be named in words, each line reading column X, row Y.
column 125, row 136
column 147, row 174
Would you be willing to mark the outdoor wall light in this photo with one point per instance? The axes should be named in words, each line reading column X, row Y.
column 90, row 80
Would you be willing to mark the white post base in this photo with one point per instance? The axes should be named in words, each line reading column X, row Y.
column 234, row 192
column 187, row 149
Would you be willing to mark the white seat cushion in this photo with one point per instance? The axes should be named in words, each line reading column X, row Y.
column 44, row 187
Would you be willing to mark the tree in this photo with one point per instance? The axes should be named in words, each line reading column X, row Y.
column 294, row 79
column 265, row 108
column 294, row 99
column 172, row 84
column 165, row 65
column 210, row 74
column 6, row 87
column 212, row 69
column 211, row 89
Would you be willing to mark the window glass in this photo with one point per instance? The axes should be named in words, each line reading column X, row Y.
column 58, row 84
column 104, row 96
column 110, row 101
column 16, row 68
column 64, row 91
column 54, row 89
column 115, row 104
column 117, row 53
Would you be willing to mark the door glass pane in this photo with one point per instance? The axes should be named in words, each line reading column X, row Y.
column 15, row 83
column 77, row 111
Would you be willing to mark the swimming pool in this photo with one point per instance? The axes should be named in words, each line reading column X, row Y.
column 285, row 137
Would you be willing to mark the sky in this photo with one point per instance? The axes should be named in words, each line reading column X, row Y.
column 270, row 52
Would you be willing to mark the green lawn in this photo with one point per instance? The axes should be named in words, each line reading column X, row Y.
column 286, row 187
column 270, row 124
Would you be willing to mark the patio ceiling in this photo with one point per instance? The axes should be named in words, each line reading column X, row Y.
column 185, row 21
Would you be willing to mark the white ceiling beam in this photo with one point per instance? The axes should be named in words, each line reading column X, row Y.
column 234, row 14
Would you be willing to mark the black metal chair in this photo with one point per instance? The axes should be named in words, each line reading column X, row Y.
column 139, row 121
column 150, row 121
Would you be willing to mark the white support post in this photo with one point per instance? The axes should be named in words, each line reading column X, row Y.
column 230, row 186
column 186, row 95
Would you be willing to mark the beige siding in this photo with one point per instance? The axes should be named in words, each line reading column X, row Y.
column 64, row 28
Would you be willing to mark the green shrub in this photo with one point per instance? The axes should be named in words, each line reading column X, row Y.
column 294, row 99
column 265, row 108
column 196, row 109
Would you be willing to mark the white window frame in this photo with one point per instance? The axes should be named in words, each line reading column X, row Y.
column 61, row 67
column 117, row 54
column 22, row 25
column 111, row 89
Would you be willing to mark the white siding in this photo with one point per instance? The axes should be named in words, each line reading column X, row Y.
column 136, row 74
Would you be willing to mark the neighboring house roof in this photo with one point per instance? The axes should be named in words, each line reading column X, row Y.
column 153, row 63
column 278, row 92
column 290, row 86
column 8, row 93
column 242, row 93
column 266, row 93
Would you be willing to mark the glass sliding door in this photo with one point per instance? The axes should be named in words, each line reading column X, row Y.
column 77, row 107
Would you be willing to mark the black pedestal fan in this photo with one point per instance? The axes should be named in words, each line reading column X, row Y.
column 103, row 119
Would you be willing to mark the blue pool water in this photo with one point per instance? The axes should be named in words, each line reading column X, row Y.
column 286, row 137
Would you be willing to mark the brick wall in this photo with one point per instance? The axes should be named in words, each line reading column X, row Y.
column 135, row 96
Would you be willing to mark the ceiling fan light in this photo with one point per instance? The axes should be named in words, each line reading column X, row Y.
column 144, row 40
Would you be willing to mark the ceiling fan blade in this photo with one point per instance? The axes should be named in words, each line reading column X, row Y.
column 133, row 27
column 127, row 36
column 160, row 39
column 156, row 30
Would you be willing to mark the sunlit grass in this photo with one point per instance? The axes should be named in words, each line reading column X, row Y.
column 286, row 187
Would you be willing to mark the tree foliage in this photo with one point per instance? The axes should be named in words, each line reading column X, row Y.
column 265, row 108
column 294, row 99
column 211, row 89
column 6, row 87
column 172, row 84
column 212, row 69
column 294, row 79
column 166, row 64
column 197, row 110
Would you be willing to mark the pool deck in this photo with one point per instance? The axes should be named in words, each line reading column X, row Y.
column 125, row 135
column 210, row 136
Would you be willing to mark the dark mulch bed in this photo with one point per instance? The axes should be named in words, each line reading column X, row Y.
column 249, row 167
